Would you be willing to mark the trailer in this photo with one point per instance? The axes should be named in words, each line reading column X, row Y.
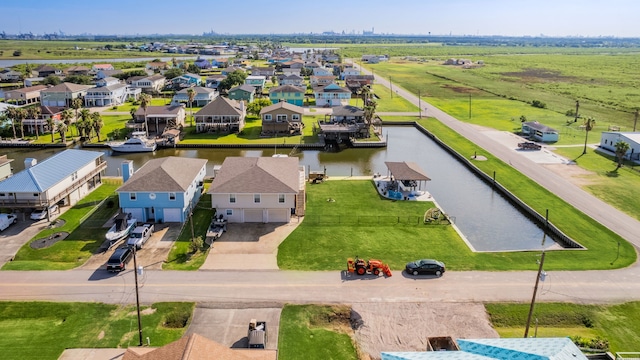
column 257, row 334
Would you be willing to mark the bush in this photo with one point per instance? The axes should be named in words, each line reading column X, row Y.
column 596, row 344
column 196, row 245
column 176, row 320
column 538, row 104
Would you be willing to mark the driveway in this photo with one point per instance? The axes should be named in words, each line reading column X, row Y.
column 249, row 246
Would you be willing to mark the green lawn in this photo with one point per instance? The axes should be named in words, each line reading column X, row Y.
column 619, row 324
column 315, row 332
column 179, row 258
column 42, row 330
column 85, row 235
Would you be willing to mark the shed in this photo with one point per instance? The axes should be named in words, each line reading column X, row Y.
column 609, row 139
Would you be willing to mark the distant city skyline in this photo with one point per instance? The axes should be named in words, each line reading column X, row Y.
column 588, row 18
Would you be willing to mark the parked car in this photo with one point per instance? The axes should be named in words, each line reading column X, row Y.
column 140, row 235
column 425, row 266
column 7, row 220
column 529, row 146
column 40, row 214
column 119, row 259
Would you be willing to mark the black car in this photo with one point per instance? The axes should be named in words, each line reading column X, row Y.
column 119, row 259
column 426, row 266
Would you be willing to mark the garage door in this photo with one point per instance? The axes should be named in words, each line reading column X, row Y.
column 252, row 215
column 136, row 213
column 278, row 215
column 172, row 215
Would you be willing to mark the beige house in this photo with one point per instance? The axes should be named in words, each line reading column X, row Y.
column 259, row 189
column 26, row 95
column 221, row 115
column 281, row 118
column 160, row 118
column 63, row 94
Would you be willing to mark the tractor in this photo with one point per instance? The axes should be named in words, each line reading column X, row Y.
column 371, row 266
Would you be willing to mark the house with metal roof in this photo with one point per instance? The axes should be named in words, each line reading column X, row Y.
column 162, row 190
column 609, row 139
column 65, row 177
column 500, row 349
column 259, row 189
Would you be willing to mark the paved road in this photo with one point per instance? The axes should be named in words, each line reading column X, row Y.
column 614, row 219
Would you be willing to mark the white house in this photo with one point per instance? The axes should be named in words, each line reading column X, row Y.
column 259, row 189
column 150, row 84
column 162, row 190
column 65, row 177
column 108, row 92
column 609, row 139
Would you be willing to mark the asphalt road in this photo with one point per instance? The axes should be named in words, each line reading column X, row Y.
column 614, row 219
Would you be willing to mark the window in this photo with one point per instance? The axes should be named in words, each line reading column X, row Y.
column 74, row 176
column 281, row 198
column 256, row 198
column 132, row 196
column 229, row 212
column 281, row 118
column 172, row 196
column 267, row 117
column 36, row 194
column 295, row 117
column 232, row 198
column 1, row 194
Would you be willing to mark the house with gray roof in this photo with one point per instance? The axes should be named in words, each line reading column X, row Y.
column 160, row 118
column 221, row 115
column 65, row 177
column 259, row 189
column 63, row 94
column 203, row 96
column 281, row 118
column 162, row 190
column 242, row 92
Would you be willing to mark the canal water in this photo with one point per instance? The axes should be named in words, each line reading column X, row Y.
column 488, row 221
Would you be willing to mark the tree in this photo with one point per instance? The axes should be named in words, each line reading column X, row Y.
column 235, row 78
column 21, row 114
column 12, row 113
column 79, row 79
column 145, row 100
column 369, row 113
column 192, row 95
column 52, row 125
column 62, row 130
column 66, row 117
column 34, row 113
column 83, row 125
column 589, row 124
column 621, row 149
column 274, row 80
column 192, row 68
column 51, row 80
column 257, row 105
column 76, row 104
column 28, row 68
column 173, row 73
column 97, row 123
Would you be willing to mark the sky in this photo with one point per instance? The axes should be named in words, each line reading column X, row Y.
column 589, row 18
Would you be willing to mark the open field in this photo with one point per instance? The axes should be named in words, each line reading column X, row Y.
column 42, row 49
column 42, row 330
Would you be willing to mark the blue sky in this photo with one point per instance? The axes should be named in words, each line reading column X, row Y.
column 443, row 17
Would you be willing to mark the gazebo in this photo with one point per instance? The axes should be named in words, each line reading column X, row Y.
column 403, row 180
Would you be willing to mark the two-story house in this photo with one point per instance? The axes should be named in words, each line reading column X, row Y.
column 321, row 80
column 322, row 71
column 242, row 93
column 281, row 118
column 186, row 80
column 349, row 71
column 151, row 84
column 162, row 190
column 25, row 96
column 46, row 70
column 160, row 118
column 213, row 81
column 101, row 67
column 295, row 80
column 331, row 95
column 203, row 96
column 259, row 189
column 289, row 93
column 221, row 115
column 64, row 178
column 63, row 94
column 108, row 92
column 78, row 70
column 263, row 71
column 256, row 81
column 10, row 75
column 157, row 66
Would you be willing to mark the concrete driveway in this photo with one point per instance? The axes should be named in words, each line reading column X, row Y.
column 228, row 324
column 15, row 236
column 249, row 246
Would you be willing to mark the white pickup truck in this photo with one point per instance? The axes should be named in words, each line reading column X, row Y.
column 7, row 220
column 140, row 235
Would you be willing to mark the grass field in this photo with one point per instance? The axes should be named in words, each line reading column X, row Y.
column 618, row 324
column 42, row 330
column 85, row 237
column 43, row 49
column 315, row 332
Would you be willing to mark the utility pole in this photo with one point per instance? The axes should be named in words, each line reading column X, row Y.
column 577, row 108
column 390, row 87
column 191, row 221
column 533, row 299
column 419, row 105
column 135, row 274
column 469, row 106
column 635, row 121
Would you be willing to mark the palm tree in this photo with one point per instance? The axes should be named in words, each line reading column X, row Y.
column 12, row 114
column 97, row 123
column 21, row 114
column 62, row 130
column 621, row 149
column 34, row 113
column 192, row 95
column 369, row 113
column 76, row 104
column 26, row 74
column 65, row 117
column 589, row 124
column 84, row 119
column 145, row 100
column 52, row 125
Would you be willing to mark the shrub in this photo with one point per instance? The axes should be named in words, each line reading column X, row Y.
column 196, row 245
column 597, row 343
column 176, row 319
column 523, row 118
column 538, row 104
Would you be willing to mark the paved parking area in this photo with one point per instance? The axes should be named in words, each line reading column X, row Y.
column 510, row 140
column 249, row 246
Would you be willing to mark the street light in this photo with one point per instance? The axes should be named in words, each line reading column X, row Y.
column 135, row 273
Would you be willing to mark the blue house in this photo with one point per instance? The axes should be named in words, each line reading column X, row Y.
column 187, row 80
column 538, row 132
column 162, row 190
column 202, row 63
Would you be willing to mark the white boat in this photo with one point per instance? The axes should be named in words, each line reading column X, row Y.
column 122, row 226
column 138, row 143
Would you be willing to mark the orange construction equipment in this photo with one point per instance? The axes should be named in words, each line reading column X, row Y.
column 371, row 266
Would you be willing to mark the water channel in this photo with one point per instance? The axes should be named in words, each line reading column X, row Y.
column 488, row 221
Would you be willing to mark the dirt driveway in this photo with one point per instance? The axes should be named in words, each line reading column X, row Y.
column 152, row 254
column 248, row 246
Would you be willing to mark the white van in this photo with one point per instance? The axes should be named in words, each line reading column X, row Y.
column 7, row 220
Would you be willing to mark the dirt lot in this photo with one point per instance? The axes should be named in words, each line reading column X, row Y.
column 406, row 326
column 152, row 254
